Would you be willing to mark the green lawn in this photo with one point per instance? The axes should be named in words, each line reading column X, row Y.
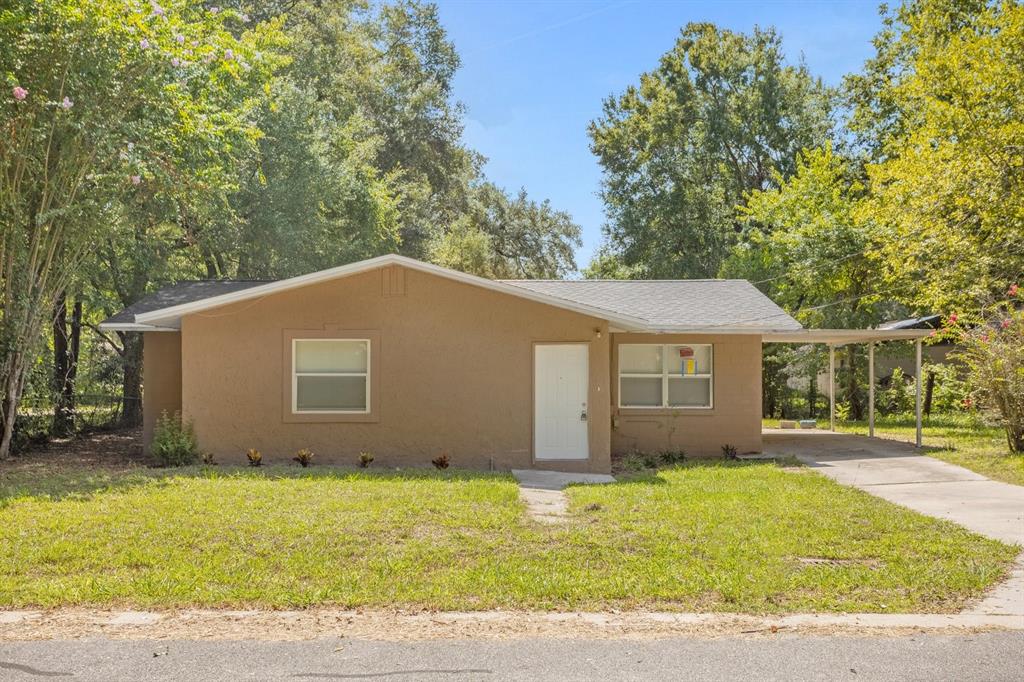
column 704, row 537
column 956, row 439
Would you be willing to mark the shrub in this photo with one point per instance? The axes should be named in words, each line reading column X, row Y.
column 729, row 451
column 650, row 460
column 364, row 459
column 174, row 441
column 440, row 462
column 208, row 459
column 670, row 457
column 304, row 457
column 898, row 397
column 992, row 349
column 633, row 462
column 255, row 457
column 949, row 390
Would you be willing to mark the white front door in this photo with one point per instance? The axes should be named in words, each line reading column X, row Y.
column 561, row 381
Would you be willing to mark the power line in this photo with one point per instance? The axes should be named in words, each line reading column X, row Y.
column 835, row 261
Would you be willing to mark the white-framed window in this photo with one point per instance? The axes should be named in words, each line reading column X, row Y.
column 330, row 376
column 673, row 375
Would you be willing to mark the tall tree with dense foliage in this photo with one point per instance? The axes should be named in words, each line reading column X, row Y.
column 363, row 153
column 807, row 245
column 98, row 95
column 511, row 238
column 940, row 112
column 721, row 116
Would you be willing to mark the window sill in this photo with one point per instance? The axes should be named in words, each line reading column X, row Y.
column 329, row 417
column 665, row 411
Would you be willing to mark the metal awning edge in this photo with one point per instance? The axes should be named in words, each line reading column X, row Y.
column 840, row 337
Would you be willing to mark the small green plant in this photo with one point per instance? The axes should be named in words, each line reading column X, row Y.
column 441, row 462
column 365, row 458
column 633, row 463
column 208, row 459
column 304, row 457
column 898, row 398
column 174, row 441
column 255, row 457
column 650, row 460
column 671, row 457
column 729, row 452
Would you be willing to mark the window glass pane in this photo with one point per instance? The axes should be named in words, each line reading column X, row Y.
column 641, row 392
column 639, row 359
column 689, row 392
column 331, row 393
column 330, row 355
column 689, row 359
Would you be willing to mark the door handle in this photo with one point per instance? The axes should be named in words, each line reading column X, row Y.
column 583, row 416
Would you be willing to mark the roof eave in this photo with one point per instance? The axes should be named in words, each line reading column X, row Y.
column 757, row 331
column 134, row 327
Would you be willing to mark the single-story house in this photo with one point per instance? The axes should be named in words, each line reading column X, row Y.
column 408, row 360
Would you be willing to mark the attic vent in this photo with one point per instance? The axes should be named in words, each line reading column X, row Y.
column 393, row 280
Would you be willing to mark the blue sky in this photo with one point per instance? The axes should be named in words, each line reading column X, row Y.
column 535, row 73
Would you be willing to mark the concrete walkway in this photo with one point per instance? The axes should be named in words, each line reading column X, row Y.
column 898, row 472
column 542, row 491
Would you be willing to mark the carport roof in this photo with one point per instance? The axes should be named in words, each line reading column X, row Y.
column 842, row 337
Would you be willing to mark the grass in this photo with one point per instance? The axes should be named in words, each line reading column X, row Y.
column 954, row 438
column 700, row 537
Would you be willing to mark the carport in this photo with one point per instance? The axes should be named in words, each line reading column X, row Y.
column 835, row 338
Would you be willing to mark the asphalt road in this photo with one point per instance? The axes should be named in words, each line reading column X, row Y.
column 990, row 657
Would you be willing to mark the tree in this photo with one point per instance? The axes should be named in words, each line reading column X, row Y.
column 99, row 95
column 940, row 110
column 721, row 116
column 363, row 153
column 808, row 246
column 503, row 237
column 607, row 265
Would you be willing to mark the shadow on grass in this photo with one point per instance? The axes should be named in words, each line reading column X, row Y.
column 654, row 477
column 84, row 483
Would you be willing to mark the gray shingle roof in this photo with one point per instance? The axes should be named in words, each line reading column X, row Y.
column 686, row 303
column 182, row 292
column 653, row 305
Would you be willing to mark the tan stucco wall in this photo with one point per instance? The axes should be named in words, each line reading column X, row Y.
column 161, row 379
column 454, row 373
column 735, row 418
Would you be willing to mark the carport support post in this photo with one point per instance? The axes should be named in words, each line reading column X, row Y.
column 917, row 396
column 871, row 389
column 831, row 387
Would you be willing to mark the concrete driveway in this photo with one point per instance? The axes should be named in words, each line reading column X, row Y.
column 899, row 472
